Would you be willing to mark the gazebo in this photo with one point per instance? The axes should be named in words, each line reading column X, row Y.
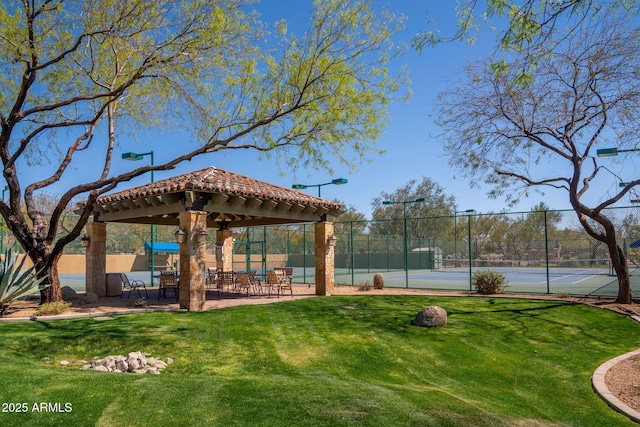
column 209, row 198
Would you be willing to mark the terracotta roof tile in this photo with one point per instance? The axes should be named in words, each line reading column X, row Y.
column 215, row 180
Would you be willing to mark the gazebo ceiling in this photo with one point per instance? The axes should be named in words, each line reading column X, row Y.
column 232, row 200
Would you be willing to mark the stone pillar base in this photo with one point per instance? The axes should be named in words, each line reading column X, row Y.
column 324, row 251
column 96, row 258
column 192, row 262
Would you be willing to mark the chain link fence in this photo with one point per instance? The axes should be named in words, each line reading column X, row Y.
column 546, row 252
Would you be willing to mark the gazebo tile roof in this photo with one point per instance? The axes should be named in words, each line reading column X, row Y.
column 215, row 180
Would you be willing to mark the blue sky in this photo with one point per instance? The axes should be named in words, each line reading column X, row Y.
column 412, row 147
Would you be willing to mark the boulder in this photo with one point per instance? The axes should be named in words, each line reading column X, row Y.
column 91, row 298
column 378, row 281
column 68, row 293
column 431, row 316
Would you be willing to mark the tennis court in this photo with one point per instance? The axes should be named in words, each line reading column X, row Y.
column 596, row 281
column 592, row 281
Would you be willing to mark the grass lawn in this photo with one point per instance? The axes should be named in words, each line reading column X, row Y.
column 323, row 362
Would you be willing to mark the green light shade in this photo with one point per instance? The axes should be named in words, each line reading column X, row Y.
column 340, row 181
column 299, row 186
column 132, row 156
column 389, row 202
column 623, row 184
column 635, row 201
column 606, row 152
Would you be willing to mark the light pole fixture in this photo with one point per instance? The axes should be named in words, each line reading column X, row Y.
column 135, row 157
column 404, row 217
column 337, row 181
column 180, row 235
column 455, row 234
column 608, row 152
column 85, row 242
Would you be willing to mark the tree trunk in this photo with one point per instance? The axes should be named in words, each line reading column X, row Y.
column 619, row 263
column 52, row 291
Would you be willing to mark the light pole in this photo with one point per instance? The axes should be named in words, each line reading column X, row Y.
column 6, row 187
column 135, row 157
column 337, row 181
column 455, row 234
column 404, row 216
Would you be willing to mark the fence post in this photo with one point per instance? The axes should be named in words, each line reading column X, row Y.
column 304, row 253
column 469, row 239
column 546, row 250
column 352, row 258
column 368, row 253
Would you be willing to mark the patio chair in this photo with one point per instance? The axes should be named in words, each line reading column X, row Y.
column 132, row 285
column 168, row 280
column 286, row 278
column 212, row 277
column 225, row 278
column 277, row 280
column 243, row 282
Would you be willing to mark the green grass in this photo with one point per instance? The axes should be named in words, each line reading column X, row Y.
column 324, row 362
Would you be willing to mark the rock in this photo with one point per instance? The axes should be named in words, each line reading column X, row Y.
column 378, row 281
column 64, row 362
column 68, row 293
column 135, row 362
column 90, row 298
column 122, row 365
column 431, row 316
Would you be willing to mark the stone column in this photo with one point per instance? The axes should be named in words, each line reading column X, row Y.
column 192, row 262
column 324, row 252
column 224, row 238
column 96, row 258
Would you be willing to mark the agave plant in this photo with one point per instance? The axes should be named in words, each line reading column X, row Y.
column 13, row 281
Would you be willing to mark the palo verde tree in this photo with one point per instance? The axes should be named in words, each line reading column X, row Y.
column 541, row 128
column 76, row 76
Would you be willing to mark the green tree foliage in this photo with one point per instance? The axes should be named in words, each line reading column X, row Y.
column 77, row 76
column 517, row 135
column 388, row 219
column 351, row 221
column 531, row 28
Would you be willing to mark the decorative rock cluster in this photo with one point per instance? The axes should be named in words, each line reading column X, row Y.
column 431, row 316
column 135, row 362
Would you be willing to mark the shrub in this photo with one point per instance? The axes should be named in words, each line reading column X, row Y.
column 13, row 282
column 489, row 282
column 51, row 308
column 366, row 286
